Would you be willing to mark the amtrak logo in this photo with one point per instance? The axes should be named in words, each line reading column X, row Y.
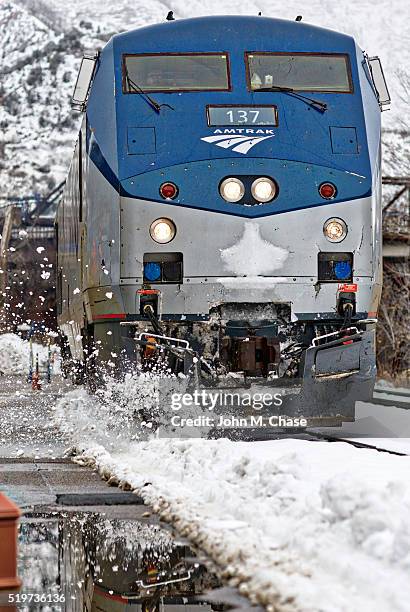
column 239, row 140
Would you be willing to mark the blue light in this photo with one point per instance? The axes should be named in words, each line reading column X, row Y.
column 152, row 271
column 343, row 270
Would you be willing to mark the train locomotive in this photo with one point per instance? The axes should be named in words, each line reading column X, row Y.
column 222, row 211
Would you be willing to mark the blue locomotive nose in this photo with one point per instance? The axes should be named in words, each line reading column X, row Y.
column 152, row 271
column 343, row 270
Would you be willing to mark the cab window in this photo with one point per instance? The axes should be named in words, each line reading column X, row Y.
column 299, row 71
column 176, row 72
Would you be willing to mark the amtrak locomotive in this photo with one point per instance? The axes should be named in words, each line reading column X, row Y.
column 221, row 215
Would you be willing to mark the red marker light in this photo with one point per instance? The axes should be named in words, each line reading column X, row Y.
column 168, row 191
column 327, row 191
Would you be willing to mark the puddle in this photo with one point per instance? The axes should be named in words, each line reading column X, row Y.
column 88, row 562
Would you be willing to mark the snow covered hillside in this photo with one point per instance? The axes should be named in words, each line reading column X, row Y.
column 42, row 42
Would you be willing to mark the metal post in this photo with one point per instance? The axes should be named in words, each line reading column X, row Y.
column 49, row 362
column 35, row 383
column 31, row 363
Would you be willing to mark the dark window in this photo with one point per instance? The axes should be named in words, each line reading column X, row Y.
column 299, row 71
column 177, row 72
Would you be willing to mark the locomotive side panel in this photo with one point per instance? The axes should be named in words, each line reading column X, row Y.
column 69, row 272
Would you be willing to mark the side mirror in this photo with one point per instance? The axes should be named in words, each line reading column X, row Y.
column 379, row 82
column 82, row 86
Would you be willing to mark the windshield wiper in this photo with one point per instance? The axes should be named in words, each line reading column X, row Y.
column 153, row 104
column 316, row 104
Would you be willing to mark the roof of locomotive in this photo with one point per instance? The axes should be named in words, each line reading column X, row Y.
column 218, row 32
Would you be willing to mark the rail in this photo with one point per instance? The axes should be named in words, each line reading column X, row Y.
column 354, row 442
column 392, row 397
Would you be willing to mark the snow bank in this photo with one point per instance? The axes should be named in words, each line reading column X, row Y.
column 15, row 354
column 296, row 525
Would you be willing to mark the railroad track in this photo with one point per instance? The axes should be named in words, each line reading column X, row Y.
column 392, row 397
column 357, row 443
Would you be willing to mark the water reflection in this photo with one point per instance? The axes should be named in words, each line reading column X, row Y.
column 96, row 563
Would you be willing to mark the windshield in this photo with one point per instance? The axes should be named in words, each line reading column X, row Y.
column 299, row 71
column 177, row 72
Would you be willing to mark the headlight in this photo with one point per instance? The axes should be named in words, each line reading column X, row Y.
column 232, row 189
column 335, row 230
column 263, row 189
column 162, row 230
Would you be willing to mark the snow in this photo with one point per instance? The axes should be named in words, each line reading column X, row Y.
column 296, row 525
column 120, row 412
column 253, row 255
column 15, row 354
